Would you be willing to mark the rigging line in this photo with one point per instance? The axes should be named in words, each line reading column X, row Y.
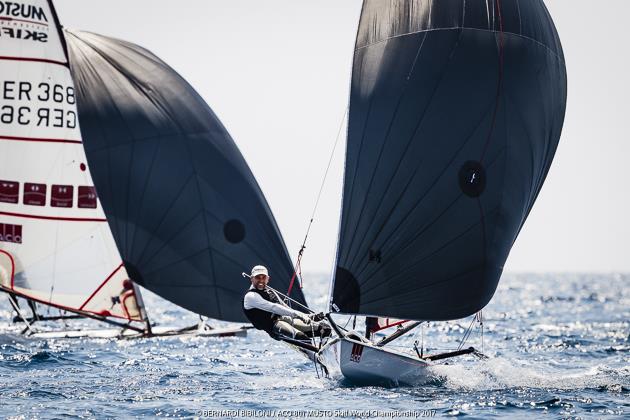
column 297, row 267
column 436, row 87
column 480, row 317
column 466, row 334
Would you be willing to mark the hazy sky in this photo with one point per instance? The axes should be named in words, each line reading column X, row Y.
column 277, row 73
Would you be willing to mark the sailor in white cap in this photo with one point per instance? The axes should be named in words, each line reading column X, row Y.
column 266, row 311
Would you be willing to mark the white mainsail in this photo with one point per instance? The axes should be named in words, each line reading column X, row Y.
column 56, row 247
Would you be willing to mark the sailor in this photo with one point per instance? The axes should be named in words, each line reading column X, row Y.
column 266, row 311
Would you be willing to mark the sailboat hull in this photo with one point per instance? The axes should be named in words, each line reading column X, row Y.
column 156, row 332
column 365, row 364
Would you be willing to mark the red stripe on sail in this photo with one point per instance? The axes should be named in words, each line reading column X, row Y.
column 59, row 219
column 37, row 60
column 101, row 286
column 12, row 265
column 42, row 140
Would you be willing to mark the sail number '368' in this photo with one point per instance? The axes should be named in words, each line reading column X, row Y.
column 47, row 115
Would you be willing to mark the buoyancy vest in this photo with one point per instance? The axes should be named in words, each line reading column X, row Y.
column 261, row 320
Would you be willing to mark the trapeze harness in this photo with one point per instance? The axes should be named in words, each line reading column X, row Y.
column 262, row 320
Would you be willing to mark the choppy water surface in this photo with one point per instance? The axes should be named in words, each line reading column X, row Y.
column 559, row 347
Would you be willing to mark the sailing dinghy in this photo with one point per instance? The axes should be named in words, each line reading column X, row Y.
column 456, row 109
column 56, row 246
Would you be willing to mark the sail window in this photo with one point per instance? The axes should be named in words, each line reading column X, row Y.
column 34, row 194
column 62, row 196
column 234, row 231
column 10, row 233
column 9, row 192
column 472, row 178
column 87, row 197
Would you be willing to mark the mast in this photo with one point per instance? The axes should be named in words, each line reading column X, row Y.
column 55, row 245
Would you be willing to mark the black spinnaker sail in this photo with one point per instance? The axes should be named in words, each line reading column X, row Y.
column 185, row 210
column 456, row 109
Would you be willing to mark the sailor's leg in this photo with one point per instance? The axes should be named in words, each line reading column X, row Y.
column 284, row 328
column 314, row 329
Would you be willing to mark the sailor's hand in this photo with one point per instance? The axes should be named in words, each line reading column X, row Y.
column 317, row 317
column 305, row 319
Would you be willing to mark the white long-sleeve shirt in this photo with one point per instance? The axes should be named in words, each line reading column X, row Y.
column 255, row 301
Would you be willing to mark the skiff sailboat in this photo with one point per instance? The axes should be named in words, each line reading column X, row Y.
column 456, row 109
column 153, row 150
column 55, row 245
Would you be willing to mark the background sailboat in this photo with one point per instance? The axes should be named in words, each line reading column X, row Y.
column 87, row 291
column 56, row 247
column 456, row 109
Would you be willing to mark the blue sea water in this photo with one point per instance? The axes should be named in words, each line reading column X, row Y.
column 559, row 347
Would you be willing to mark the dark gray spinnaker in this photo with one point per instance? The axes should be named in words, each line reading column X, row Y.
column 456, row 110
column 186, row 212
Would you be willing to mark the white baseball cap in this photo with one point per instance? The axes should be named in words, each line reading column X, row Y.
column 259, row 269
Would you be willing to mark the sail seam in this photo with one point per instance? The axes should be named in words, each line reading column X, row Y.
column 410, row 241
column 411, row 267
column 408, row 143
column 164, row 216
column 459, row 28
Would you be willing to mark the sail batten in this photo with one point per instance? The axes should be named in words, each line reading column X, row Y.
column 456, row 109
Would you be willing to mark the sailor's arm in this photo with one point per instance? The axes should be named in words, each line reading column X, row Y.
column 255, row 301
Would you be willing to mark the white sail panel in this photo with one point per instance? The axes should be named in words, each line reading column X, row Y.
column 56, row 246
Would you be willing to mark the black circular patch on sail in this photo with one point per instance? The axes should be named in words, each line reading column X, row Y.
column 234, row 231
column 472, row 178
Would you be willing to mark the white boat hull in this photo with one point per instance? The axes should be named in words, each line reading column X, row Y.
column 157, row 331
column 363, row 363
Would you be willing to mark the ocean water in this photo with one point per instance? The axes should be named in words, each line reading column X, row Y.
column 559, row 347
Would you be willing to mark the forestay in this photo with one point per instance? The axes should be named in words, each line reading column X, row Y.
column 456, row 109
column 55, row 244
column 185, row 210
